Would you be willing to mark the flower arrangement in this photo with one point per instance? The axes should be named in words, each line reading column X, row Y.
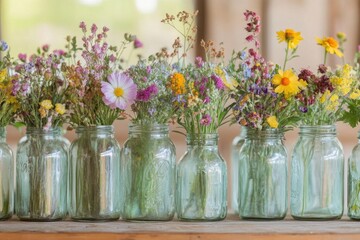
column 199, row 90
column 98, row 91
column 153, row 101
column 8, row 103
column 39, row 88
column 265, row 94
column 328, row 91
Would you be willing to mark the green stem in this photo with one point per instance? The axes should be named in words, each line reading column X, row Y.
column 286, row 56
column 325, row 56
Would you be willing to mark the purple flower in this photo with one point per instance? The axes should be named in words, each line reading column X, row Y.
column 119, row 91
column 148, row 69
column 147, row 93
column 137, row 43
column 22, row 57
column 25, row 88
column 152, row 111
column 218, row 82
column 59, row 52
column 93, row 28
column 16, row 87
column 3, row 46
column 303, row 109
column 45, row 47
column 205, row 120
column 199, row 62
column 206, row 100
column 112, row 58
column 29, row 67
column 82, row 26
column 247, row 71
column 105, row 29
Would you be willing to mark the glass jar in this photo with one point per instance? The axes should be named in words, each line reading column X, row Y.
column 94, row 175
column 6, row 177
column 263, row 175
column 317, row 174
column 41, row 175
column 354, row 182
column 235, row 148
column 148, row 170
column 201, row 181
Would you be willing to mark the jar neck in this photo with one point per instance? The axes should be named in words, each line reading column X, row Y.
column 321, row 131
column 243, row 132
column 265, row 134
column 42, row 132
column 2, row 134
column 95, row 130
column 152, row 130
column 204, row 139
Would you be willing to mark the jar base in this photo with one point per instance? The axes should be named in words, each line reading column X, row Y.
column 41, row 219
column 200, row 219
column 94, row 219
column 146, row 220
column 316, row 218
column 6, row 217
column 262, row 218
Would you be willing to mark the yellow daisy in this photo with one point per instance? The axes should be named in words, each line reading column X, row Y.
column 289, row 36
column 272, row 121
column 330, row 44
column 288, row 83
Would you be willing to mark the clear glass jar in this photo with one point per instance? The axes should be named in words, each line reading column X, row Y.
column 41, row 175
column 235, row 148
column 6, row 177
column 354, row 182
column 94, row 175
column 317, row 174
column 148, row 170
column 201, row 181
column 263, row 175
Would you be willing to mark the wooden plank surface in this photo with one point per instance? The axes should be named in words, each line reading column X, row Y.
column 228, row 229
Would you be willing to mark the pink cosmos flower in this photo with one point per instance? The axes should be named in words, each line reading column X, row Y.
column 119, row 92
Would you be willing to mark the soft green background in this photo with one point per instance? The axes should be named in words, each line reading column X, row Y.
column 27, row 24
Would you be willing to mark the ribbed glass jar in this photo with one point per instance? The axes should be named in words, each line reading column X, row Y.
column 235, row 148
column 263, row 175
column 354, row 182
column 317, row 174
column 201, row 181
column 94, row 175
column 6, row 177
column 41, row 175
column 148, row 170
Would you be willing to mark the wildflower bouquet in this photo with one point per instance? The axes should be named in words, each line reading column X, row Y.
column 264, row 96
column 351, row 114
column 328, row 91
column 98, row 91
column 39, row 87
column 148, row 158
column 200, row 93
column 8, row 103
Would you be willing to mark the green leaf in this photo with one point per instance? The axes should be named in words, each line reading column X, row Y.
column 19, row 125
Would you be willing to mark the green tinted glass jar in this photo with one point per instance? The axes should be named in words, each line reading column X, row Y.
column 263, row 175
column 354, row 182
column 41, row 175
column 201, row 181
column 94, row 178
column 148, row 171
column 317, row 174
column 237, row 143
column 6, row 177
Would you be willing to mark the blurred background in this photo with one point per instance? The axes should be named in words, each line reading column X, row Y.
column 28, row 24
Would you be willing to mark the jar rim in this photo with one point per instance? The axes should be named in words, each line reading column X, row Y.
column 36, row 130
column 80, row 129
column 134, row 128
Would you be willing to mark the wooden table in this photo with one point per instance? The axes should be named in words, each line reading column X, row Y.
column 231, row 228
